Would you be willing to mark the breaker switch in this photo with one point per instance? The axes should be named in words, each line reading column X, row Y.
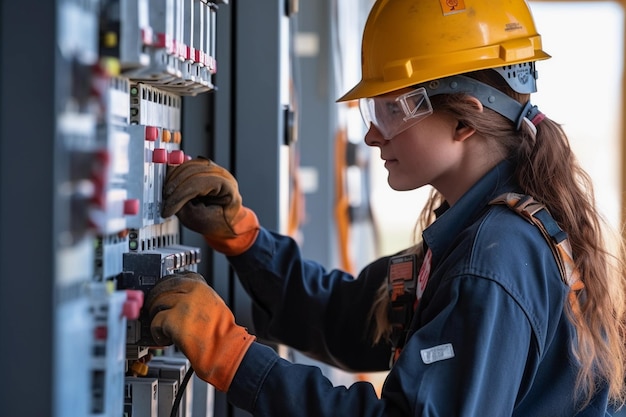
column 131, row 206
column 159, row 156
column 176, row 157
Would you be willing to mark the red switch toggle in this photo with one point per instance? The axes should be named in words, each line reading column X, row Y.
column 135, row 296
column 176, row 157
column 147, row 35
column 152, row 133
column 159, row 156
column 164, row 41
column 199, row 57
column 133, row 304
column 131, row 206
column 101, row 332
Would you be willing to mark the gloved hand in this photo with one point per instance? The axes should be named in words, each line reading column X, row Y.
column 187, row 312
column 206, row 199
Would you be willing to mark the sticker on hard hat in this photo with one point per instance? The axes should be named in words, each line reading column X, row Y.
column 452, row 6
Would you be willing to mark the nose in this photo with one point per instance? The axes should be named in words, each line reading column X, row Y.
column 373, row 137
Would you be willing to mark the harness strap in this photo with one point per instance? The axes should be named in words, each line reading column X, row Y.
column 537, row 214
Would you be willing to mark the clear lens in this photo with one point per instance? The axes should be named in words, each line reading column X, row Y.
column 392, row 114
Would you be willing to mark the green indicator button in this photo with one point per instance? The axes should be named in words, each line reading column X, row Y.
column 132, row 245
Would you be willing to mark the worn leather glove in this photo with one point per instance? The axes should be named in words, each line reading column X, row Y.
column 187, row 312
column 206, row 199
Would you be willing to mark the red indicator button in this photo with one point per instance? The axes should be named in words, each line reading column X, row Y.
column 176, row 157
column 152, row 133
column 159, row 156
column 131, row 206
column 100, row 333
column 136, row 296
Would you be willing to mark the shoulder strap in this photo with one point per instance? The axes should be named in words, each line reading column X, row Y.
column 537, row 214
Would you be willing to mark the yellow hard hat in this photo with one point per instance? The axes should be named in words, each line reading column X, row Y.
column 408, row 42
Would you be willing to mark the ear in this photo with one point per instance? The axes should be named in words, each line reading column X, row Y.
column 462, row 132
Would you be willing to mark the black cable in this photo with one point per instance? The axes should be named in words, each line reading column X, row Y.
column 181, row 391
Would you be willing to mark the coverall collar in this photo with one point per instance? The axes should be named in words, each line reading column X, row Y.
column 451, row 221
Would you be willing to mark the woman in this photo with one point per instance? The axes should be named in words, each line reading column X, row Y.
column 486, row 316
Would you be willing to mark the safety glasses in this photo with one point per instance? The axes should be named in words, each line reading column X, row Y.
column 394, row 114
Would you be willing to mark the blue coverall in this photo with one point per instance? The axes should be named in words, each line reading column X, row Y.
column 490, row 337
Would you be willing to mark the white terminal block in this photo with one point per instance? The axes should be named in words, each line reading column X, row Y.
column 176, row 367
column 141, row 397
column 168, row 388
column 72, row 385
column 109, row 350
column 109, row 251
column 78, row 31
column 153, row 106
column 150, row 237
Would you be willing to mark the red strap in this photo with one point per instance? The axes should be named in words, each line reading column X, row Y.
column 422, row 278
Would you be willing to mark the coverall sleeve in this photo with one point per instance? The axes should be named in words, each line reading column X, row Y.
column 473, row 358
column 474, row 354
column 324, row 314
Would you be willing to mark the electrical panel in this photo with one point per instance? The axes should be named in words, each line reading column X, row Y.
column 128, row 63
column 99, row 99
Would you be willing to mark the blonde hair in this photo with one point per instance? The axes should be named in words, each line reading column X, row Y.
column 548, row 170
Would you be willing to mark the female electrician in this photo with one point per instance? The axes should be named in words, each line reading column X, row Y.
column 499, row 321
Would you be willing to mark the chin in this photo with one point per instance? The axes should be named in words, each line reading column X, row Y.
column 399, row 185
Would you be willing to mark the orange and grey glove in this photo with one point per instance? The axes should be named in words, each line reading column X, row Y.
column 187, row 312
column 206, row 199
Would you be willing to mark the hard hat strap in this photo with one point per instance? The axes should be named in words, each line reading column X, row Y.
column 489, row 96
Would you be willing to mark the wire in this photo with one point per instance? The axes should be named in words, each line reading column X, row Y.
column 181, row 391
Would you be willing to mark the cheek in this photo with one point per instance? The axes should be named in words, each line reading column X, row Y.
column 422, row 160
column 426, row 151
